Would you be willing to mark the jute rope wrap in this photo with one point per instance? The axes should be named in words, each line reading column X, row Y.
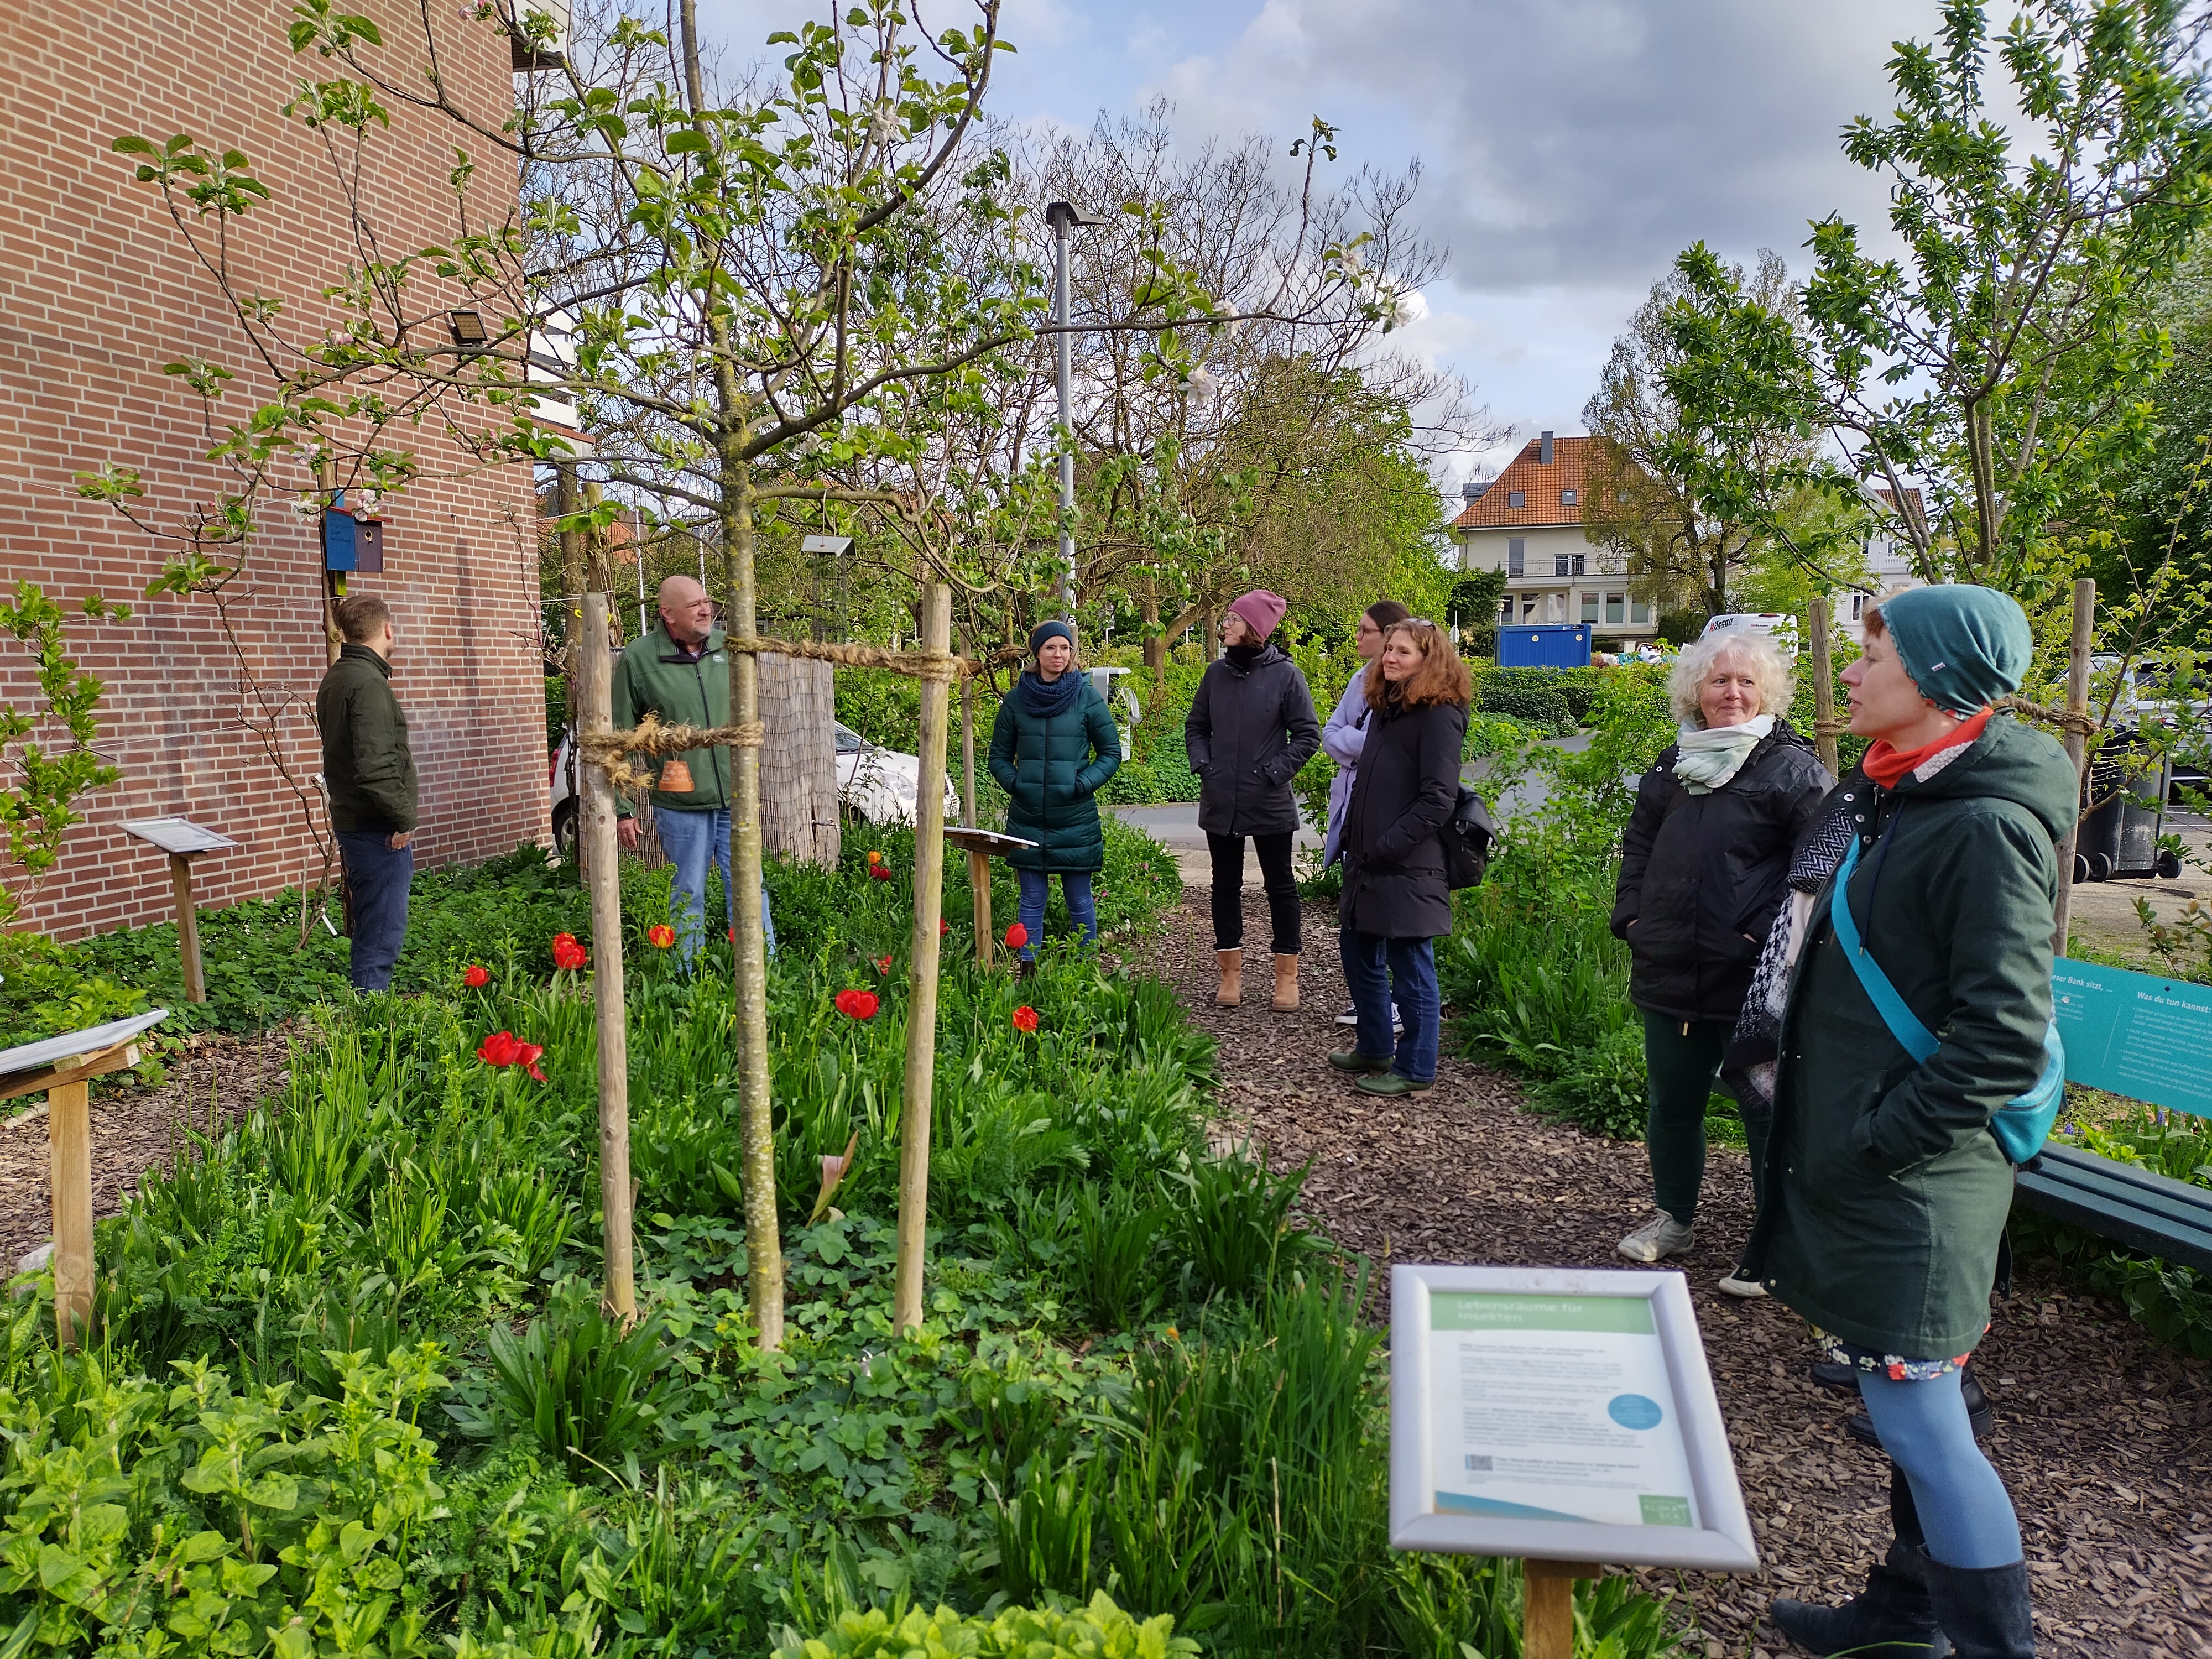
column 914, row 664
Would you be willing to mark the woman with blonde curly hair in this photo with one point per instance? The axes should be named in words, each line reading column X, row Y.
column 1703, row 863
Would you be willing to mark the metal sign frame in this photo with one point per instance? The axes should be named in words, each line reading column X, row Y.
column 1724, row 1543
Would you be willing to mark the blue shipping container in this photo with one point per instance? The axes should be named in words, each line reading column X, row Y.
column 1544, row 645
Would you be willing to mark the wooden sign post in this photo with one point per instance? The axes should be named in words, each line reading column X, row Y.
column 62, row 1067
column 183, row 841
column 1548, row 1607
column 979, row 845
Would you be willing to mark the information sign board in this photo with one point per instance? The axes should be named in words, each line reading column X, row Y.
column 178, row 836
column 2136, row 1033
column 1559, row 1414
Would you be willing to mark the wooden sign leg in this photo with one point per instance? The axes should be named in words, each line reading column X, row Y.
column 1548, row 1613
column 188, row 927
column 979, row 883
column 68, row 1133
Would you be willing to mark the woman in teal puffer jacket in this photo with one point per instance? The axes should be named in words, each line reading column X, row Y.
column 1052, row 747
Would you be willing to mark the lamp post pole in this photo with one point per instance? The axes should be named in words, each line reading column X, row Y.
column 1063, row 218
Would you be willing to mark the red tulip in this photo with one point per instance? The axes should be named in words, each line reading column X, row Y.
column 883, row 965
column 568, row 953
column 943, row 927
column 1025, row 1019
column 476, row 976
column 1016, row 937
column 858, row 1004
column 661, row 935
column 502, row 1048
column 880, row 871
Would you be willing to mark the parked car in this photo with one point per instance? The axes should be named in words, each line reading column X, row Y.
column 875, row 784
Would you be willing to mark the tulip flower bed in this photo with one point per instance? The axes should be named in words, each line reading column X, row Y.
column 351, row 1390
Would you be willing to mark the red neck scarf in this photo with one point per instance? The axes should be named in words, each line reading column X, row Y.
column 1889, row 766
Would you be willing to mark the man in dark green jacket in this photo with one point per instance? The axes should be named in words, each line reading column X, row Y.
column 370, row 775
column 679, row 673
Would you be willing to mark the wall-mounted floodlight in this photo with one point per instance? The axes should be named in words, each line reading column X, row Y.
column 835, row 546
column 468, row 327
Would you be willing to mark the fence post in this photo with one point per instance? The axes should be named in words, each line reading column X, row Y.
column 921, row 999
column 1824, row 686
column 2077, row 750
column 619, row 1294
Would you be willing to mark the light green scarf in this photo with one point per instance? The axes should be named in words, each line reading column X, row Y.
column 1709, row 758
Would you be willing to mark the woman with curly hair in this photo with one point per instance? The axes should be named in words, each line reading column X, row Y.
column 1396, row 903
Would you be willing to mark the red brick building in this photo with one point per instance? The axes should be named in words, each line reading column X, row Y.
column 97, row 292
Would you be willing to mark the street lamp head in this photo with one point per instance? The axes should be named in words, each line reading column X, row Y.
column 1064, row 216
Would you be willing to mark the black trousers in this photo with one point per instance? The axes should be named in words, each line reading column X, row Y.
column 1275, row 876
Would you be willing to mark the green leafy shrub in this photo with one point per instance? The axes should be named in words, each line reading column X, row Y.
column 577, row 1384
column 1540, row 705
column 1601, row 1088
column 1233, row 1227
column 1099, row 1631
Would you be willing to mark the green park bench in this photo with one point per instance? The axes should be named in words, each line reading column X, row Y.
column 2149, row 1039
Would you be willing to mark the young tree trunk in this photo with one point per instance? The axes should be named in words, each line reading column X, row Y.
column 617, row 1291
column 922, row 973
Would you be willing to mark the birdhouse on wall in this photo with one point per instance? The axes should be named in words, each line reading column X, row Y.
column 353, row 542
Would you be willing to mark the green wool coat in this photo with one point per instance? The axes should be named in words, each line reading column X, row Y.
column 657, row 677
column 1886, row 1195
column 1051, row 770
column 367, row 764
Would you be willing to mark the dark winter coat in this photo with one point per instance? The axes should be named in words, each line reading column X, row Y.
column 367, row 765
column 1249, row 732
column 658, row 677
column 1886, row 1195
column 1408, row 783
column 1701, row 875
column 1050, row 766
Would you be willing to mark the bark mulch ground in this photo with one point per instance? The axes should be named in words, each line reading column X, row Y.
column 2104, row 1437
column 132, row 1130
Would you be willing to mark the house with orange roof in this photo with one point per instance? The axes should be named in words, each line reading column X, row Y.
column 1527, row 522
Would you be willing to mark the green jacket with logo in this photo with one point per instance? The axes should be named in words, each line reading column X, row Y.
column 1886, row 1194
column 367, row 765
column 658, row 677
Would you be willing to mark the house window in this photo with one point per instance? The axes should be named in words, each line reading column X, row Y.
column 1506, row 610
column 1528, row 607
column 1616, row 607
column 1516, row 557
column 1639, row 611
column 1590, row 607
column 1559, row 564
column 1566, row 498
column 1516, row 498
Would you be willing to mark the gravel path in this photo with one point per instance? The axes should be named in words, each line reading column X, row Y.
column 2104, row 1437
column 132, row 1129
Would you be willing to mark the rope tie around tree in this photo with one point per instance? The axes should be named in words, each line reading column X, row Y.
column 914, row 664
column 2065, row 720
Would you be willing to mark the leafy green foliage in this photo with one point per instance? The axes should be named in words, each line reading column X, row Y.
column 1097, row 1631
column 576, row 1383
column 37, row 811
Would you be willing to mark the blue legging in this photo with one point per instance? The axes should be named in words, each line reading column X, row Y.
column 1966, row 1514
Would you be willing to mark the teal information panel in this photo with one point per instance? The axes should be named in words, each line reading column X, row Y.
column 2135, row 1035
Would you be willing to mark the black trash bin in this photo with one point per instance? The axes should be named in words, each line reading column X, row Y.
column 2120, row 835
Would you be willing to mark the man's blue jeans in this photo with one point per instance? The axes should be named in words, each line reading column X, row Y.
column 1411, row 982
column 692, row 840
column 1036, row 889
column 377, row 879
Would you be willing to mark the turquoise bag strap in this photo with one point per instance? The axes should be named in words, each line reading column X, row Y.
column 1905, row 1025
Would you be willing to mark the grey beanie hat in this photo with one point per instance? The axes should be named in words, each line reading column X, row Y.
column 1963, row 645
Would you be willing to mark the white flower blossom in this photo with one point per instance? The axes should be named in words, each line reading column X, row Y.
column 1202, row 385
column 1408, row 309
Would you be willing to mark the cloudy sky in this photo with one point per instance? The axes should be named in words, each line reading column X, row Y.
column 1569, row 148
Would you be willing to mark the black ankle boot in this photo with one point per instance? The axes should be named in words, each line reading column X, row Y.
column 1891, row 1619
column 1985, row 1609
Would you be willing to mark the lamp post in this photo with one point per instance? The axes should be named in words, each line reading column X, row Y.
column 1063, row 218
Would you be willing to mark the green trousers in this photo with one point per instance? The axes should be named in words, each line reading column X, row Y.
column 1682, row 1063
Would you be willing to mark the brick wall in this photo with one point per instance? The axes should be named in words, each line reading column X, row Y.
column 97, row 291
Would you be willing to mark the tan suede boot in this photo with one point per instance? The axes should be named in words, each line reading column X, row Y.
column 1286, row 985
column 1232, row 978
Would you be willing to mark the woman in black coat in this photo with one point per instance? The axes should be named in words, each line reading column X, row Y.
column 1703, row 865
column 1396, row 901
column 1251, row 726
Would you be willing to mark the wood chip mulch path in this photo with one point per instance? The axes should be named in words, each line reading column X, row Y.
column 132, row 1130
column 2104, row 1437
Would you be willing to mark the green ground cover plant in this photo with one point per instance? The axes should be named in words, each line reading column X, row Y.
column 350, row 1389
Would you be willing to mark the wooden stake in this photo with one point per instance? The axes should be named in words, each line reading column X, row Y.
column 1548, row 1613
column 69, row 1138
column 979, row 883
column 2077, row 750
column 326, row 476
column 968, row 751
column 188, row 927
column 618, row 1296
column 1824, row 686
column 921, row 1001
